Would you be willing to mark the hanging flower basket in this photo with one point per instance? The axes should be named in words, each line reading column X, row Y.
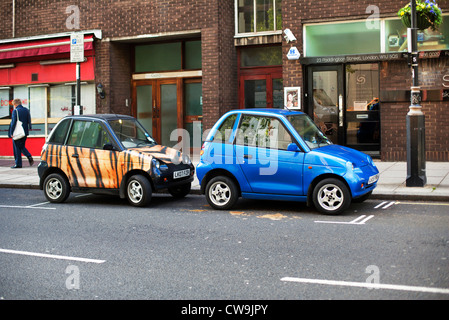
column 429, row 15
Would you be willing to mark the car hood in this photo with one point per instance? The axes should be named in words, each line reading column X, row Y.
column 165, row 154
column 338, row 154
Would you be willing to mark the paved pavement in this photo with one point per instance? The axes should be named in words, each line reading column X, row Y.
column 391, row 184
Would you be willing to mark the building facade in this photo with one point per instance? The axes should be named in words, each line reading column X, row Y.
column 182, row 64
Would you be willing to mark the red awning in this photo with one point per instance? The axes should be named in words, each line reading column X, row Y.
column 40, row 48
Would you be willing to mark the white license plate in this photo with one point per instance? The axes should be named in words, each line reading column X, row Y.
column 181, row 174
column 373, row 179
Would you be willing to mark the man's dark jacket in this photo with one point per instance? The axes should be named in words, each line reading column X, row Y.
column 24, row 116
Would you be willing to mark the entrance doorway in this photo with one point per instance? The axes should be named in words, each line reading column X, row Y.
column 343, row 100
column 261, row 90
column 164, row 105
column 157, row 108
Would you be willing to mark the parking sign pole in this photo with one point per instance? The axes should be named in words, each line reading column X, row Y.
column 78, row 87
column 416, row 153
column 77, row 56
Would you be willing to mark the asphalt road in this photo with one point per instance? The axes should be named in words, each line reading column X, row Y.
column 98, row 247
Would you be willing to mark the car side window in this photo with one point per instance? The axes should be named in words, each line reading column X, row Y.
column 224, row 132
column 265, row 132
column 60, row 132
column 88, row 134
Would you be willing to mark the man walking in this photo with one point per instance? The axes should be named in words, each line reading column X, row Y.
column 19, row 145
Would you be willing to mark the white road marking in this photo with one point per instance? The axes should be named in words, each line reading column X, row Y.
column 355, row 221
column 367, row 285
column 380, row 205
column 52, row 256
column 27, row 207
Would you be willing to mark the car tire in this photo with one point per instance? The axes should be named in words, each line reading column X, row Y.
column 180, row 191
column 56, row 188
column 331, row 196
column 221, row 193
column 138, row 191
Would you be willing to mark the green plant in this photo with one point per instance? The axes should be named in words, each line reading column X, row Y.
column 428, row 14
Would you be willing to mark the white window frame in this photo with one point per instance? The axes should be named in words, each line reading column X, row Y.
column 255, row 33
column 381, row 27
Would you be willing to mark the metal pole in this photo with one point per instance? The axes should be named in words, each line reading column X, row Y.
column 78, row 87
column 416, row 153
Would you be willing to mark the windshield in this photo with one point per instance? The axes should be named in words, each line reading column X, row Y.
column 131, row 134
column 309, row 132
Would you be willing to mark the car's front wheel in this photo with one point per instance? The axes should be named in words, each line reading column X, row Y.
column 138, row 191
column 331, row 196
column 221, row 193
column 56, row 188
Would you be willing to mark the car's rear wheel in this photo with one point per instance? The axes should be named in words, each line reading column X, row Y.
column 138, row 191
column 331, row 196
column 180, row 191
column 56, row 188
column 221, row 193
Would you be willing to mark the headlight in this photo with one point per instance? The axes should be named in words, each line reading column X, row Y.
column 186, row 159
column 156, row 164
column 349, row 166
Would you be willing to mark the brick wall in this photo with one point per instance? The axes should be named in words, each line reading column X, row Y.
column 127, row 18
column 394, row 75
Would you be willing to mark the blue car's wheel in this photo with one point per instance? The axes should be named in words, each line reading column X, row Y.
column 331, row 196
column 221, row 193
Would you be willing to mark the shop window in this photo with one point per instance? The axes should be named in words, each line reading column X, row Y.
column 47, row 104
column 5, row 103
column 396, row 37
column 193, row 54
column 261, row 56
column 258, row 15
column 168, row 56
column 158, row 57
column 341, row 38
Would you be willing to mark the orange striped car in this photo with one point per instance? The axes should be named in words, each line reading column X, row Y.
column 110, row 154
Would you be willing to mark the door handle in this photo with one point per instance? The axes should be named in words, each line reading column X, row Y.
column 247, row 156
column 75, row 155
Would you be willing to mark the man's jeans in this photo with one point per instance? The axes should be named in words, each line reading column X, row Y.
column 19, row 149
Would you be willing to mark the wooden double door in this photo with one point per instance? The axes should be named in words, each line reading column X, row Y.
column 165, row 105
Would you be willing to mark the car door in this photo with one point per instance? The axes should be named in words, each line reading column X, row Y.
column 261, row 151
column 90, row 166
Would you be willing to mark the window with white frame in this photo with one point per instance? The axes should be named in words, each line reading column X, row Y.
column 360, row 37
column 48, row 103
column 254, row 16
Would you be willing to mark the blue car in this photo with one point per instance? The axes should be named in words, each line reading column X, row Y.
column 278, row 154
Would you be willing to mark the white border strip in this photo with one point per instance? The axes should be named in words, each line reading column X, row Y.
column 52, row 256
column 367, row 285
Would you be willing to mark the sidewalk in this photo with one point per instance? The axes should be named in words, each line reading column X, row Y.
column 391, row 184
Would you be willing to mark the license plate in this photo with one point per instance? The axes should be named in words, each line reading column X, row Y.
column 181, row 174
column 373, row 179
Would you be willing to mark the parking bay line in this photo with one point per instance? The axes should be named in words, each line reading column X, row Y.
column 52, row 256
column 360, row 220
column 367, row 285
column 32, row 206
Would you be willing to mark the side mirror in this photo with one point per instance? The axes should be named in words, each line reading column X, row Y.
column 293, row 147
column 108, row 146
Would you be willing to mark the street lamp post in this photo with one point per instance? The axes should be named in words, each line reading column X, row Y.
column 416, row 153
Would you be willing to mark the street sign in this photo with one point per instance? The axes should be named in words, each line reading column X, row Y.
column 77, row 47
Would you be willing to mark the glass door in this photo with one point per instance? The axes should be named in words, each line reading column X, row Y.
column 261, row 91
column 325, row 100
column 156, row 107
column 362, row 108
